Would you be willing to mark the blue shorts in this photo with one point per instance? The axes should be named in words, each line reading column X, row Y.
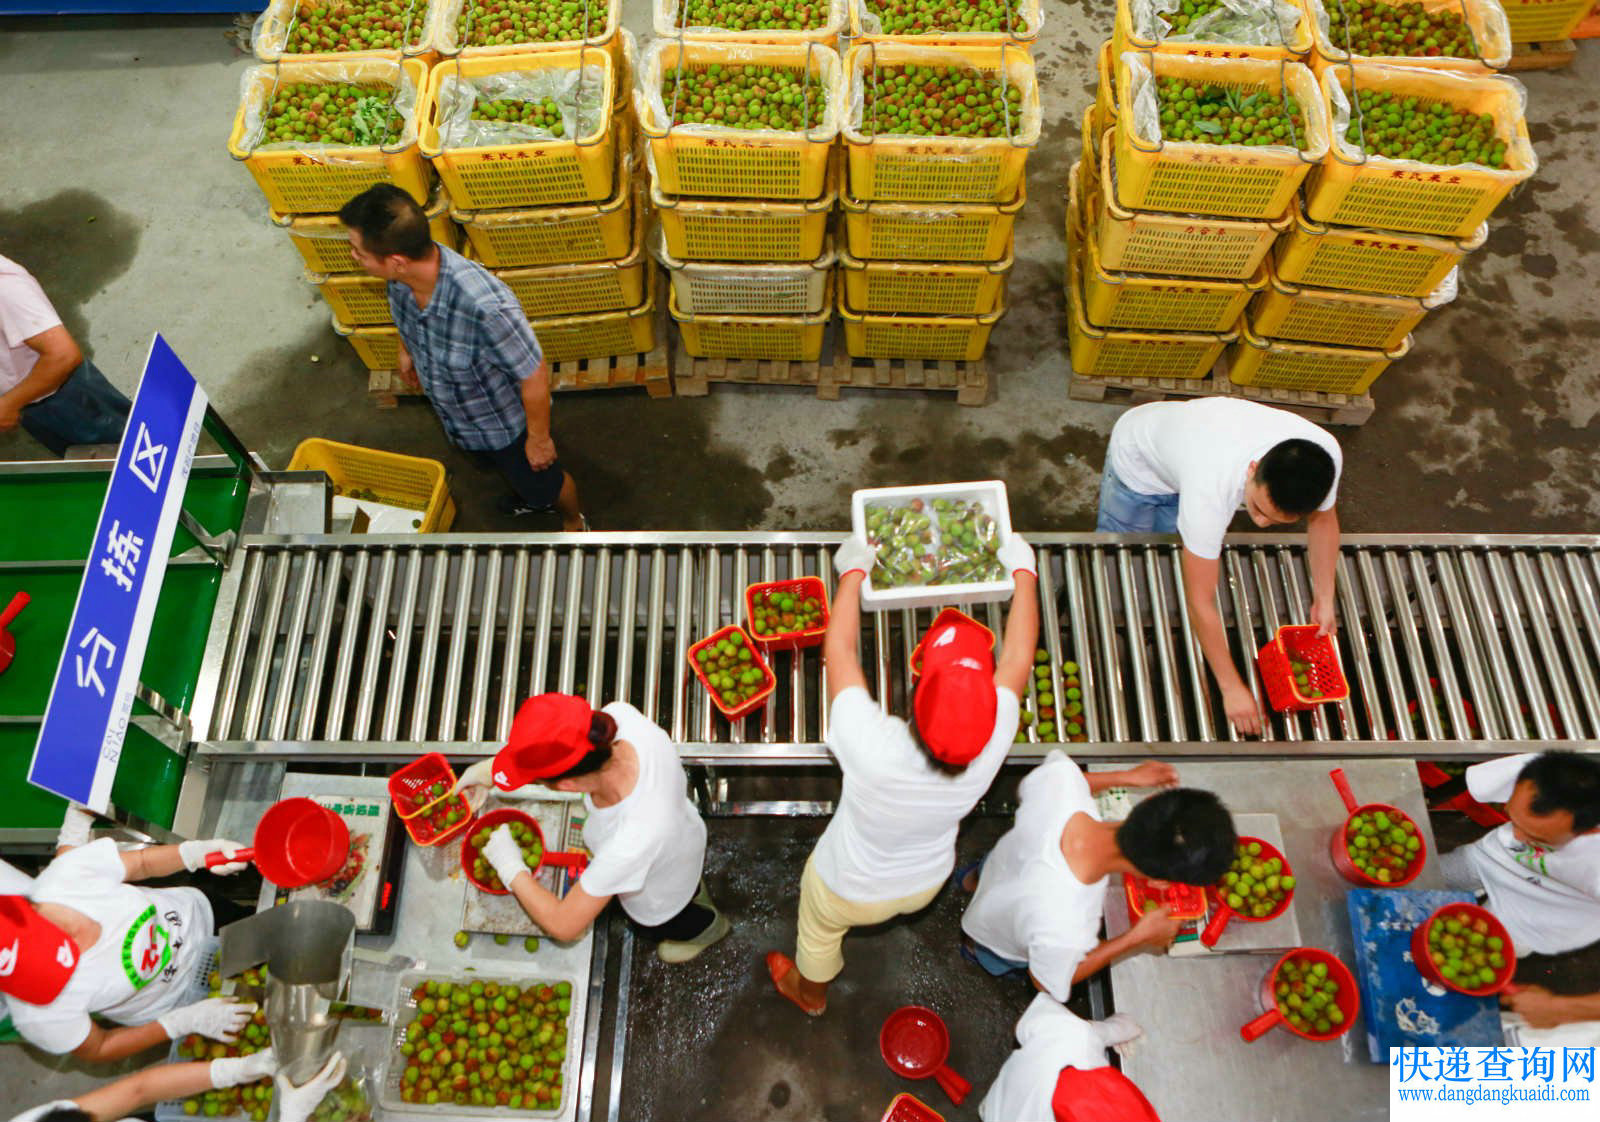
column 993, row 963
column 1124, row 511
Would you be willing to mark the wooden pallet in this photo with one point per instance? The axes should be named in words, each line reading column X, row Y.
column 694, row 376
column 1327, row 408
column 969, row 381
column 1542, row 56
column 649, row 370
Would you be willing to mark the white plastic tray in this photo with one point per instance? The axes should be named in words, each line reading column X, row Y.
column 990, row 492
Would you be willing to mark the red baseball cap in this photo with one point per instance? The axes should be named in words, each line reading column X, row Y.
column 955, row 700
column 550, row 735
column 1099, row 1094
column 37, row 958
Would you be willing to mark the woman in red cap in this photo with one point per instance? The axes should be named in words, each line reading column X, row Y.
column 1060, row 1073
column 892, row 841
column 648, row 841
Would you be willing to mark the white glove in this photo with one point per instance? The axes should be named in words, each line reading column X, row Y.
column 75, row 827
column 1118, row 1031
column 231, row 1072
column 220, row 1018
column 1017, row 556
column 505, row 855
column 854, row 555
column 295, row 1104
column 476, row 782
column 194, row 854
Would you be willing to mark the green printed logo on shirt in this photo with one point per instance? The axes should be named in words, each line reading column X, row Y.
column 146, row 949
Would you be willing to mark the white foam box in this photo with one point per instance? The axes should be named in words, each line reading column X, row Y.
column 991, row 493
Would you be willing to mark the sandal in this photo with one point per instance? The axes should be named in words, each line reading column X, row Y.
column 959, row 877
column 779, row 966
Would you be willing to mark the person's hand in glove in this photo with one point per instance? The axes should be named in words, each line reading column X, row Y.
column 1017, row 556
column 77, row 826
column 295, row 1104
column 505, row 855
column 220, row 1018
column 854, row 555
column 194, row 854
column 230, row 1072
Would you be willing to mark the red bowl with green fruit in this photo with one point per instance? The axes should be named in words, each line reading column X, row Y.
column 530, row 837
column 1459, row 943
column 723, row 654
column 787, row 615
column 1261, row 888
column 1378, row 846
column 1309, row 992
column 1301, row 670
column 424, row 781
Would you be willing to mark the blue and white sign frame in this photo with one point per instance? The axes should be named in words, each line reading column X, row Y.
column 86, row 720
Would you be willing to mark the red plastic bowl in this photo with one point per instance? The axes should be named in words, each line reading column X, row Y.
column 419, row 775
column 788, row 640
column 944, row 617
column 573, row 862
column 1471, row 912
column 756, row 702
column 1340, row 853
column 1349, row 998
column 1321, row 656
column 1223, row 914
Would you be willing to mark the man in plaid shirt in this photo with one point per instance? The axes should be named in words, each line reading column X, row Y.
column 465, row 340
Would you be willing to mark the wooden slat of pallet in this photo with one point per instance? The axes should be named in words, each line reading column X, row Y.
column 649, row 370
column 969, row 380
column 1328, row 408
column 1542, row 56
column 694, row 376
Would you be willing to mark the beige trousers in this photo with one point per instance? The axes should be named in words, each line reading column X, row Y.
column 825, row 917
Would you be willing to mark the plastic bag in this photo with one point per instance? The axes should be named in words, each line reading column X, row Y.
column 1264, row 22
column 668, row 14
column 1520, row 162
column 580, row 94
column 1490, row 32
column 1029, row 17
column 655, row 118
column 269, row 35
column 1446, row 292
column 446, row 37
column 259, row 84
column 942, row 542
column 1018, row 71
column 1147, row 108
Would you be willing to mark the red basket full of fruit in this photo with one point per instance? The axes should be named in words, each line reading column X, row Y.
column 1301, row 669
column 1310, row 993
column 1258, row 886
column 787, row 615
column 525, row 830
column 732, row 672
column 421, row 783
column 1463, row 947
column 1182, row 901
column 939, row 621
column 1379, row 846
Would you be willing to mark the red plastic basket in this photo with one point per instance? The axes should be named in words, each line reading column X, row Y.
column 756, row 660
column 1183, row 901
column 425, row 829
column 419, row 775
column 789, row 640
column 939, row 620
column 906, row 1107
column 1301, row 642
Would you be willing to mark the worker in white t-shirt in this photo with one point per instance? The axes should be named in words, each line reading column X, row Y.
column 169, row 1082
column 92, row 941
column 1187, row 466
column 46, row 384
column 1541, row 870
column 648, row 841
column 1060, row 1073
column 1039, row 896
column 892, row 839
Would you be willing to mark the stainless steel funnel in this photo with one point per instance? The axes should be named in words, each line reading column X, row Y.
column 306, row 947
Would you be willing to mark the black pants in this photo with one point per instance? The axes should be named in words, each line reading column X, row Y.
column 692, row 921
column 539, row 489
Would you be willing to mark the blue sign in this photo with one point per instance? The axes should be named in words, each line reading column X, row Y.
column 86, row 719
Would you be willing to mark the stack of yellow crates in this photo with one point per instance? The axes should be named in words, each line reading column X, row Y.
column 1309, row 263
column 928, row 219
column 743, row 213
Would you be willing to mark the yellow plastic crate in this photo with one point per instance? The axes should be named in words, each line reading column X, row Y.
column 1383, row 261
column 780, row 338
column 405, row 481
column 555, row 235
column 602, row 334
column 867, row 28
column 668, row 16
column 1279, row 364
column 930, row 288
column 745, row 229
column 970, row 232
column 1138, row 241
column 1327, row 315
column 546, row 291
column 1486, row 19
column 301, row 182
column 707, row 160
column 495, row 177
column 1542, row 21
column 1102, row 352
column 272, row 28
column 1105, row 94
column 356, row 298
column 324, row 242
column 1218, row 179
column 748, row 288
column 1137, row 300
column 1295, row 45
column 937, row 168
column 946, row 338
column 446, row 42
column 1352, row 188
column 378, row 347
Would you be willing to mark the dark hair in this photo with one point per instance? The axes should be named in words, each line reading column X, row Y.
column 67, row 1114
column 602, row 734
column 389, row 221
column 1565, row 780
column 1298, row 474
column 1184, row 835
column 944, row 767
